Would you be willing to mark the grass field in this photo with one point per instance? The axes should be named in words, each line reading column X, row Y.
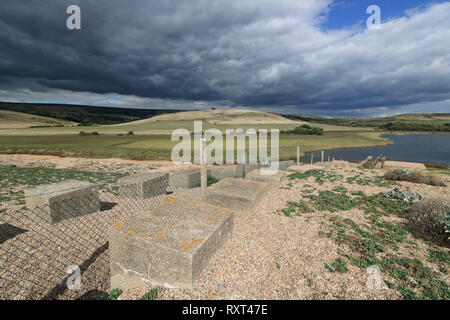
column 12, row 119
column 158, row 147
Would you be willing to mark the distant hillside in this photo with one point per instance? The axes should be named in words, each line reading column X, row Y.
column 403, row 122
column 84, row 114
column 222, row 116
column 16, row 120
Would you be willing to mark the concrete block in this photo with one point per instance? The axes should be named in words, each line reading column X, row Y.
column 240, row 171
column 143, row 186
column 168, row 245
column 222, row 172
column 283, row 165
column 63, row 200
column 236, row 193
column 249, row 167
column 184, row 179
column 256, row 175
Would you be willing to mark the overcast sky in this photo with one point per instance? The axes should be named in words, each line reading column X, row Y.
column 287, row 56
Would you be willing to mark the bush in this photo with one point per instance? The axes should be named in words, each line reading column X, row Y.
column 415, row 177
column 130, row 133
column 430, row 220
column 84, row 134
column 308, row 130
column 406, row 196
column 114, row 294
column 150, row 295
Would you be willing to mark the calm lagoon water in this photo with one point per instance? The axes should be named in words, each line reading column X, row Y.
column 434, row 148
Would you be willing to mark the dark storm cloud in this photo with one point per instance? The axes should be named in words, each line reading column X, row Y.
column 269, row 54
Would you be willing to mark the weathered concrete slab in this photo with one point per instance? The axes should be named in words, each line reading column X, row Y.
column 167, row 246
column 222, row 172
column 236, row 193
column 63, row 200
column 143, row 186
column 304, row 168
column 184, row 179
column 257, row 176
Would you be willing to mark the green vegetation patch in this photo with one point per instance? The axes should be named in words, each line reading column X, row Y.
column 320, row 176
column 152, row 294
column 114, row 294
column 13, row 179
column 377, row 241
column 212, row 180
column 332, row 201
column 297, row 208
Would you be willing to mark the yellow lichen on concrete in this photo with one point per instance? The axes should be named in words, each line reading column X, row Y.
column 159, row 238
column 119, row 225
column 223, row 211
column 186, row 246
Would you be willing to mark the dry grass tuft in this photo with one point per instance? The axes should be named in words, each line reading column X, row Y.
column 428, row 218
column 414, row 177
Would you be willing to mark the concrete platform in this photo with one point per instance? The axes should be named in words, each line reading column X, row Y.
column 55, row 202
column 143, row 186
column 257, row 176
column 236, row 193
column 167, row 246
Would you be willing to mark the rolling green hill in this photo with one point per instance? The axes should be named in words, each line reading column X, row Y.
column 84, row 114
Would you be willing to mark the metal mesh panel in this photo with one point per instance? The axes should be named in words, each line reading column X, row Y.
column 41, row 246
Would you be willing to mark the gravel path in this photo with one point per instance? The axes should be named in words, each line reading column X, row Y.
column 271, row 256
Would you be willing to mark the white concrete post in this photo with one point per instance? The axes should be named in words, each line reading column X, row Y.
column 312, row 158
column 298, row 156
column 323, row 156
column 203, row 172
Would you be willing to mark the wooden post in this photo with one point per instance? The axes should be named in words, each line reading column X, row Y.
column 323, row 156
column 203, row 172
column 328, row 158
column 298, row 156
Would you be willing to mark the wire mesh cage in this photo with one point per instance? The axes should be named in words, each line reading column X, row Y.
column 54, row 244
